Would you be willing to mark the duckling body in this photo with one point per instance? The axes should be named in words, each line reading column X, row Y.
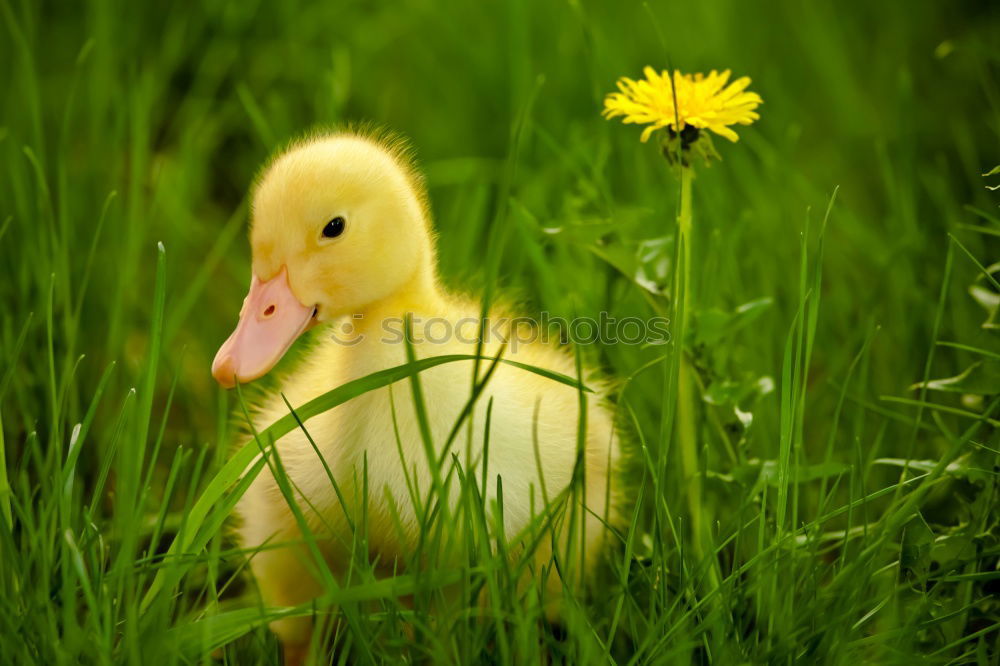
column 365, row 283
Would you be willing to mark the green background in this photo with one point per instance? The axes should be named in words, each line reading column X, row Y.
column 124, row 125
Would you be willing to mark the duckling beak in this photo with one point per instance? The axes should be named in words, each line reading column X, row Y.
column 270, row 321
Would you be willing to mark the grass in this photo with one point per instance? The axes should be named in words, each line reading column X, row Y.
column 850, row 505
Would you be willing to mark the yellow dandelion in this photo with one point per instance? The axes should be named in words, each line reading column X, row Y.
column 703, row 102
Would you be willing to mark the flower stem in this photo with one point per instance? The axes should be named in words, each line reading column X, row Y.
column 686, row 424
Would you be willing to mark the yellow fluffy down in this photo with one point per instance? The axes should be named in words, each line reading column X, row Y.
column 383, row 266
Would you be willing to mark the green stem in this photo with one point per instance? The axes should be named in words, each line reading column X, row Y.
column 687, row 437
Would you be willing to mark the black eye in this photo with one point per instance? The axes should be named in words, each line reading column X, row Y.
column 334, row 227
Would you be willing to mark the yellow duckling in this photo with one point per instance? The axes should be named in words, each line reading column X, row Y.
column 340, row 229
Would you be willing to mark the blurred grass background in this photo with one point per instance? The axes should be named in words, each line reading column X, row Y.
column 129, row 124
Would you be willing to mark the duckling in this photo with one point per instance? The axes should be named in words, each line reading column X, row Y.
column 341, row 233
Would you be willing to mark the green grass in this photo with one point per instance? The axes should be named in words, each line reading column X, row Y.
column 130, row 132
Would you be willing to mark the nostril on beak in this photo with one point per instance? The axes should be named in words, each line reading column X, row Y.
column 269, row 311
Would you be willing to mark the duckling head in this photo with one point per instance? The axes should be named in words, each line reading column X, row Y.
column 338, row 225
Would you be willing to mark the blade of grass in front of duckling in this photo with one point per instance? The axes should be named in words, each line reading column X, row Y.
column 322, row 460
column 500, row 583
column 539, row 468
column 481, row 574
column 420, row 409
column 317, row 564
column 445, row 538
column 238, row 464
column 273, row 462
column 243, row 458
column 202, row 635
column 467, row 410
column 411, row 487
column 578, row 494
column 437, row 503
column 465, row 537
column 490, row 562
column 172, row 568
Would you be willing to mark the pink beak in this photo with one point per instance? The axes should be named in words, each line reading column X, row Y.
column 270, row 321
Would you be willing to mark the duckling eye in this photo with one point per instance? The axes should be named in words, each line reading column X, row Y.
column 334, row 227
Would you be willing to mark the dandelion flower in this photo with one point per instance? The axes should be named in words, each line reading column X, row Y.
column 703, row 102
